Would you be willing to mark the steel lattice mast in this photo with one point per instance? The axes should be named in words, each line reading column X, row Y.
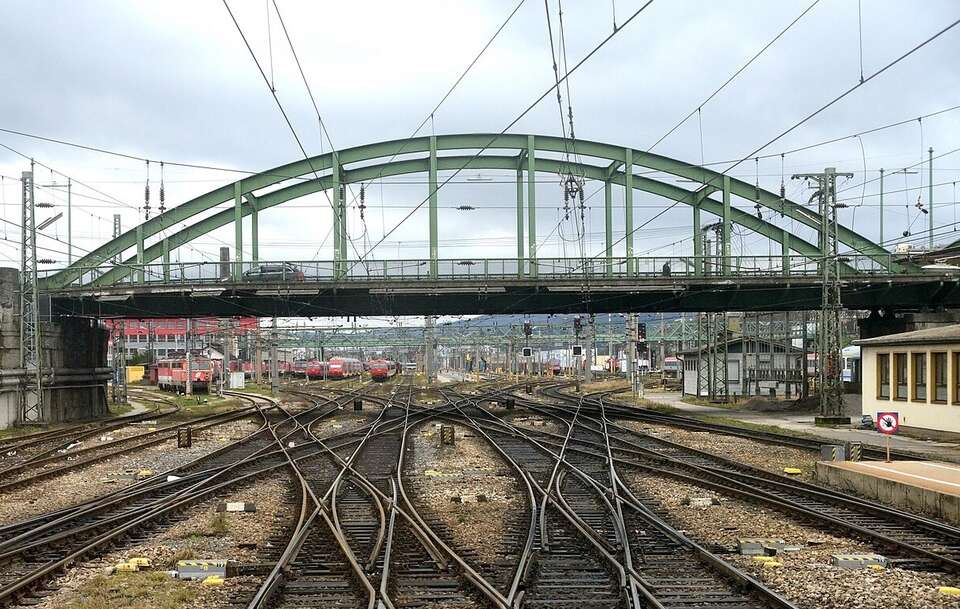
column 829, row 383
column 31, row 398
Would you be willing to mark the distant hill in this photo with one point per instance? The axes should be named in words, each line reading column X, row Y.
column 543, row 319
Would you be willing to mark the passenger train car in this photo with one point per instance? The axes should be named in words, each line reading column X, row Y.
column 382, row 369
column 172, row 374
column 343, row 367
column 315, row 369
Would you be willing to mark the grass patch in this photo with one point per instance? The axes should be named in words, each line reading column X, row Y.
column 752, row 426
column 181, row 554
column 201, row 405
column 217, row 527
column 117, row 410
column 133, row 591
column 263, row 390
column 661, row 408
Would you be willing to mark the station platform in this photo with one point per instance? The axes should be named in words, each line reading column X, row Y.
column 926, row 487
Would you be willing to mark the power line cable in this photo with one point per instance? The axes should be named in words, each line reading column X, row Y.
column 808, row 117
column 735, row 74
column 519, row 117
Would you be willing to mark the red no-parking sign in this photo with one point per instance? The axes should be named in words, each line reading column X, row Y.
column 888, row 422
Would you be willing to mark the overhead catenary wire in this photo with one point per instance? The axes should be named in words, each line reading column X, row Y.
column 735, row 75
column 516, row 120
column 809, row 116
column 286, row 118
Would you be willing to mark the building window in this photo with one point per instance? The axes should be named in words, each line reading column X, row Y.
column 956, row 377
column 883, row 376
column 900, row 373
column 919, row 377
column 939, row 377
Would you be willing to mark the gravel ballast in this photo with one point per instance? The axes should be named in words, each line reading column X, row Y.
column 758, row 454
column 111, row 473
column 192, row 538
column 447, row 481
column 806, row 577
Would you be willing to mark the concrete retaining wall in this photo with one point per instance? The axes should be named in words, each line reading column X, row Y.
column 73, row 355
column 906, row 496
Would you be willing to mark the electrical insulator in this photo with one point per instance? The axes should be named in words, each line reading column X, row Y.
column 362, row 199
column 162, row 195
column 44, row 205
column 146, row 195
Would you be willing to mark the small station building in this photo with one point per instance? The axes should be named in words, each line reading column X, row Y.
column 916, row 374
column 754, row 367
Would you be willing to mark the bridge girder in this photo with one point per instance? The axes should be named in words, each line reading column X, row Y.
column 280, row 196
column 243, row 192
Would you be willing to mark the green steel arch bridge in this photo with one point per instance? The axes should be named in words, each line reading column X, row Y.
column 133, row 276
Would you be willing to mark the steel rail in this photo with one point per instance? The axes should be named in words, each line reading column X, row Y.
column 726, row 481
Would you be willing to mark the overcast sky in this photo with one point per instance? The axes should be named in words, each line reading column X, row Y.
column 174, row 81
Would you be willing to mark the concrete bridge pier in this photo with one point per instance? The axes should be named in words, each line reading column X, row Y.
column 73, row 357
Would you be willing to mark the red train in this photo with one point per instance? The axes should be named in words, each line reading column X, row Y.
column 382, row 369
column 314, row 369
column 172, row 374
column 299, row 368
column 343, row 367
column 309, row 369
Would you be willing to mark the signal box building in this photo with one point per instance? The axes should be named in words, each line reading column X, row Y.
column 754, row 367
column 916, row 374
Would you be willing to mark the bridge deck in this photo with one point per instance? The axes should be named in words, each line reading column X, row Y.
column 504, row 295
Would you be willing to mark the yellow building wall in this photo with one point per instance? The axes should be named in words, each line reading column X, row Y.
column 924, row 415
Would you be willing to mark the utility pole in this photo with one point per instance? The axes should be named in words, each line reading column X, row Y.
column 589, row 350
column 881, row 210
column 930, row 196
column 119, row 362
column 258, row 367
column 31, row 397
column 631, row 350
column 428, row 344
column 188, row 342
column 610, row 348
column 274, row 367
column 225, row 367
column 69, row 222
column 829, row 382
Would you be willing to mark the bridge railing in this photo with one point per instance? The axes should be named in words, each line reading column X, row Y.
column 661, row 267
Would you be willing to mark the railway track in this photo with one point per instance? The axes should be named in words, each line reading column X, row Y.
column 586, row 552
column 35, row 550
column 911, row 540
column 358, row 537
column 23, row 451
column 620, row 410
